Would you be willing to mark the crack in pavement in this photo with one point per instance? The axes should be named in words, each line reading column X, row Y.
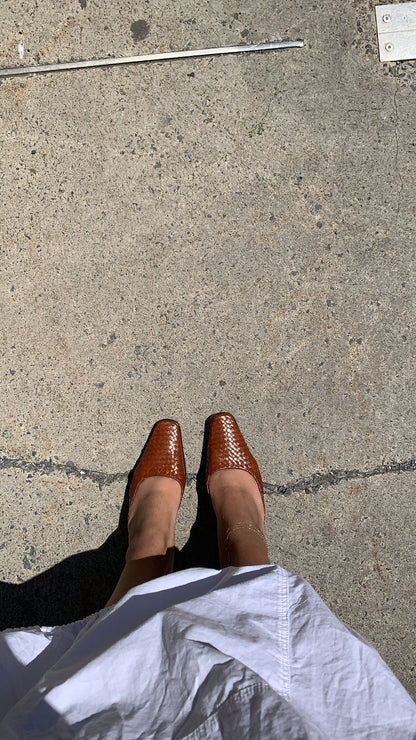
column 311, row 484
column 316, row 481
column 46, row 467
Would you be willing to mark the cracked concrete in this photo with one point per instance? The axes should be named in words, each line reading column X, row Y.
column 309, row 485
column 181, row 238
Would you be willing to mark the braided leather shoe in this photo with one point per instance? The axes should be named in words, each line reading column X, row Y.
column 227, row 449
column 163, row 455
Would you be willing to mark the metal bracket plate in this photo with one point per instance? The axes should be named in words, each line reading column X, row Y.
column 396, row 29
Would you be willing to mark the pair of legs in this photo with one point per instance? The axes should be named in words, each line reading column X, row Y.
column 152, row 519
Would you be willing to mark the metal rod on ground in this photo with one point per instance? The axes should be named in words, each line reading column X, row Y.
column 110, row 61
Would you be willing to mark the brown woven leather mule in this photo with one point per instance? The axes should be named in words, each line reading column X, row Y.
column 227, row 449
column 163, row 455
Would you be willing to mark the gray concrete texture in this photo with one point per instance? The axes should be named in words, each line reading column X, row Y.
column 231, row 233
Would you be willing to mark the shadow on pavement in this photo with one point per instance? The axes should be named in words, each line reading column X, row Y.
column 81, row 584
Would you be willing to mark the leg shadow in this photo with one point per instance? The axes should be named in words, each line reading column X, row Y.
column 81, row 584
column 78, row 586
column 201, row 550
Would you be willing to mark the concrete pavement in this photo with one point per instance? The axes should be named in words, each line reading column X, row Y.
column 181, row 238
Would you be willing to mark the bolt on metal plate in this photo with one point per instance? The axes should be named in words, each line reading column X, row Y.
column 396, row 30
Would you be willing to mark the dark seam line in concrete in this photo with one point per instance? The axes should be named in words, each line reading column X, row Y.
column 309, row 485
column 46, row 467
column 332, row 477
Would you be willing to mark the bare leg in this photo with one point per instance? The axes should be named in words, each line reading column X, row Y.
column 240, row 518
column 151, row 528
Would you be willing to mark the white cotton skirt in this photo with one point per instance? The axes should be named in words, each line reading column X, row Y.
column 239, row 653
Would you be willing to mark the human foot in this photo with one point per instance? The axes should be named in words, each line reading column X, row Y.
column 156, row 490
column 151, row 531
column 152, row 517
column 240, row 518
column 235, row 486
column 235, row 496
column 162, row 457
